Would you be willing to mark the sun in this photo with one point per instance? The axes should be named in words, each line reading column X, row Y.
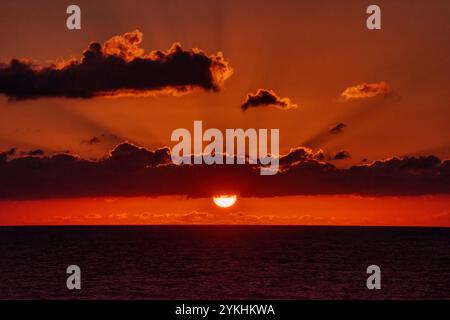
column 225, row 201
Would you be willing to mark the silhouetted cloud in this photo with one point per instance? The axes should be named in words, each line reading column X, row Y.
column 91, row 141
column 300, row 154
column 104, row 138
column 119, row 66
column 341, row 155
column 366, row 90
column 133, row 171
column 337, row 128
column 5, row 154
column 10, row 152
column 37, row 152
column 264, row 98
column 127, row 156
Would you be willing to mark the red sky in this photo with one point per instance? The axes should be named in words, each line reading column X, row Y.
column 309, row 52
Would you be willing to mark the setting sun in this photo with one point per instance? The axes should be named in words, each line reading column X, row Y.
column 225, row 201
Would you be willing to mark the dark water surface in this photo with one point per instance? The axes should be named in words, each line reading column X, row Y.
column 224, row 262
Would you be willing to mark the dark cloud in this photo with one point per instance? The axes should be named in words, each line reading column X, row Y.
column 37, row 152
column 4, row 155
column 366, row 90
column 133, row 171
column 91, row 141
column 105, row 138
column 337, row 128
column 264, row 98
column 300, row 154
column 341, row 155
column 127, row 156
column 323, row 136
column 119, row 66
column 11, row 151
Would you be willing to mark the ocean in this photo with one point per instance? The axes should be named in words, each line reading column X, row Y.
column 224, row 262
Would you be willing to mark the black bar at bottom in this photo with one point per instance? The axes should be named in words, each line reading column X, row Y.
column 228, row 309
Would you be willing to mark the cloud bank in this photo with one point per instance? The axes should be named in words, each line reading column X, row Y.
column 130, row 170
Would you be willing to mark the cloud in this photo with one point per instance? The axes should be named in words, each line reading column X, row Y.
column 300, row 154
column 337, row 128
column 130, row 170
column 105, row 138
column 127, row 156
column 37, row 152
column 91, row 141
column 117, row 67
column 341, row 155
column 322, row 136
column 366, row 90
column 4, row 155
column 264, row 98
column 11, row 151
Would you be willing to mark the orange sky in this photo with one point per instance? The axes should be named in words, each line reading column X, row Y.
column 307, row 51
column 292, row 210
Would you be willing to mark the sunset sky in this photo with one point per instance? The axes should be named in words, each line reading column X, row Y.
column 342, row 95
